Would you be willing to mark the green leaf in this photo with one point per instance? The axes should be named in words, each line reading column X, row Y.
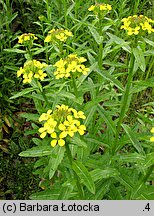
column 37, row 141
column 70, row 8
column 129, row 157
column 142, row 84
column 55, row 159
column 120, row 41
column 102, row 187
column 23, row 92
column 133, row 139
column 37, row 151
column 90, row 115
column 78, row 141
column 84, row 175
column 65, row 191
column 83, row 77
column 98, row 174
column 107, row 118
column 39, row 50
column 15, row 50
column 149, row 159
column 124, row 180
column 95, row 34
column 115, row 194
column 30, row 116
column 149, row 41
column 110, row 77
column 139, row 57
column 46, row 195
column 114, row 64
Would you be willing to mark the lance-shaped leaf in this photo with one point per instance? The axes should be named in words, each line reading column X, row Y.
column 133, row 139
column 95, row 34
column 46, row 195
column 98, row 174
column 84, row 175
column 106, row 118
column 38, row 151
column 139, row 57
column 110, row 77
column 55, row 159
column 66, row 190
column 24, row 92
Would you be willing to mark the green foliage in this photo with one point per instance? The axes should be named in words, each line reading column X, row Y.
column 114, row 157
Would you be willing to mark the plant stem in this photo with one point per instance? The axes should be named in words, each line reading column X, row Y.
column 124, row 101
column 74, row 86
column 100, row 45
column 100, row 55
column 42, row 93
column 70, row 158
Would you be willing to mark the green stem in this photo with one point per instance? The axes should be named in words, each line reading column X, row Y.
column 48, row 10
column 100, row 45
column 124, row 101
column 70, row 158
column 28, row 50
column 42, row 93
column 74, row 86
column 46, row 54
column 100, row 55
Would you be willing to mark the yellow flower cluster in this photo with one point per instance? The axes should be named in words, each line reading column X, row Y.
column 60, row 123
column 32, row 68
column 97, row 8
column 136, row 24
column 27, row 37
column 71, row 63
column 152, row 138
column 58, row 34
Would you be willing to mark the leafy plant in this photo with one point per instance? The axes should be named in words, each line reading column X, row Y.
column 83, row 80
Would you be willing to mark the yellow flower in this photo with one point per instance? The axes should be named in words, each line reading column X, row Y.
column 32, row 69
column 56, row 140
column 60, row 123
column 20, row 71
column 136, row 24
column 53, row 143
column 91, row 8
column 81, row 129
column 152, row 138
column 58, row 35
column 109, row 7
column 100, row 9
column 48, row 38
column 79, row 114
column 27, row 37
column 152, row 130
column 71, row 64
column 43, row 134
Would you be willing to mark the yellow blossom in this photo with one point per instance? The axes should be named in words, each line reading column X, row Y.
column 60, row 123
column 58, row 35
column 137, row 24
column 32, row 69
column 152, row 138
column 71, row 64
column 92, row 7
column 27, row 37
column 100, row 9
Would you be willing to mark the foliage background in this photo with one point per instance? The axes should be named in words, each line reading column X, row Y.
column 19, row 16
